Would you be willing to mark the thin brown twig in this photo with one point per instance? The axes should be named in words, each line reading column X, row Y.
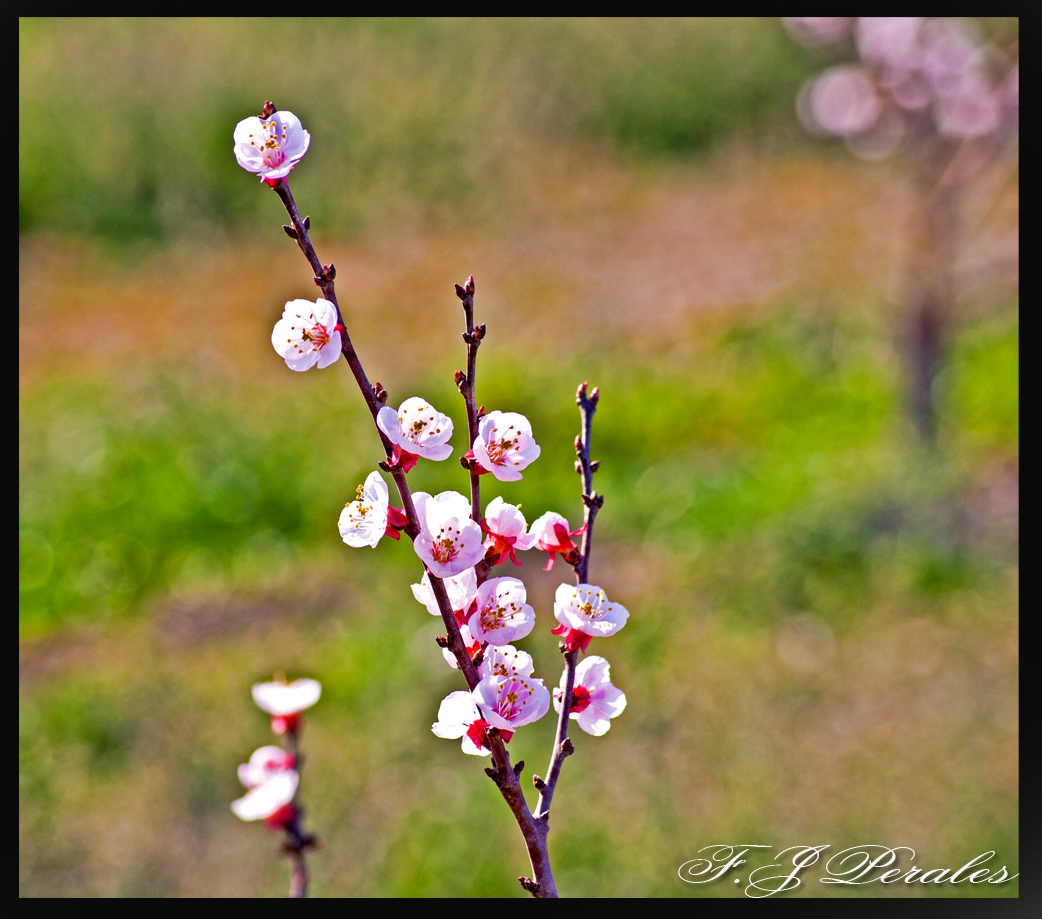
column 297, row 841
column 504, row 775
column 465, row 384
column 591, row 504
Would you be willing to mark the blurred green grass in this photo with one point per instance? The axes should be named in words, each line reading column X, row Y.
column 130, row 490
column 125, row 124
column 195, row 521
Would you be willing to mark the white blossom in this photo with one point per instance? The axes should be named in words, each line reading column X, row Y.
column 449, row 541
column 502, row 615
column 584, row 613
column 370, row 517
column 416, row 429
column 307, row 334
column 504, row 445
column 595, row 701
column 458, row 716
column 270, row 147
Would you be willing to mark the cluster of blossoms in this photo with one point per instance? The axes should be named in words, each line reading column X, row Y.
column 911, row 68
column 458, row 548
column 271, row 776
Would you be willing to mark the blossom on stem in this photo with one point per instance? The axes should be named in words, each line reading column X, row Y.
column 367, row 519
column 505, row 661
column 461, row 588
column 504, row 445
column 512, row 701
column 551, row 534
column 505, row 525
column 265, row 763
column 449, row 542
column 502, row 615
column 286, row 701
column 272, row 146
column 415, row 430
column 594, row 700
column 585, row 613
column 472, row 645
column 307, row 334
column 458, row 716
column 270, row 801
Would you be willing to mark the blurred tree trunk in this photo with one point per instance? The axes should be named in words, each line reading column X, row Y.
column 930, row 294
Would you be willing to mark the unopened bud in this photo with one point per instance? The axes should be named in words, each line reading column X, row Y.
column 481, row 411
column 595, row 396
column 290, row 232
column 468, row 288
column 460, row 292
column 307, row 223
column 330, row 271
column 520, row 765
column 460, row 377
column 479, row 332
column 595, row 465
column 578, row 467
column 578, row 444
column 441, row 641
column 580, row 393
column 537, row 780
column 268, row 110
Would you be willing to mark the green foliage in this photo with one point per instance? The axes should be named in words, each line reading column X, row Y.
column 125, row 125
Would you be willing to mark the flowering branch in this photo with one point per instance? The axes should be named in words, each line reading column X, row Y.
column 502, row 773
column 481, row 615
column 592, row 502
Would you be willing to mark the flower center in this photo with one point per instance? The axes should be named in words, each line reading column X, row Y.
column 498, row 448
column 580, row 698
column 445, row 546
column 270, row 144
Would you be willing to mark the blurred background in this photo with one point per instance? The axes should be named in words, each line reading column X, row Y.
column 823, row 642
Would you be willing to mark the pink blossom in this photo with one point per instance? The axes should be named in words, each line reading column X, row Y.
column 367, row 519
column 551, row 534
column 502, row 615
column 415, row 430
column 462, row 590
column 271, row 800
column 265, row 763
column 449, row 541
column 504, row 445
column 594, row 700
column 505, row 525
column 286, row 701
column 512, row 701
column 584, row 613
column 307, row 334
column 458, row 716
column 505, row 661
column 270, row 147
column 472, row 645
